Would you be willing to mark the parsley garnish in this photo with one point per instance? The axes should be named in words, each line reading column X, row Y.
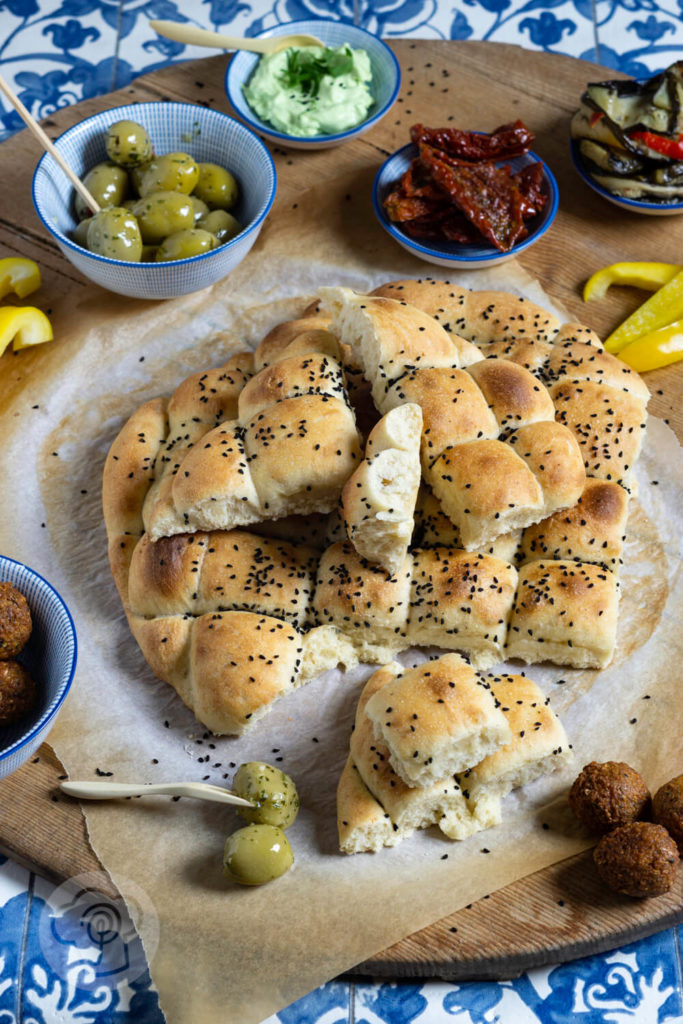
column 305, row 70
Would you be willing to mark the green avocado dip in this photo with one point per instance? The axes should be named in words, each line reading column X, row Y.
column 311, row 90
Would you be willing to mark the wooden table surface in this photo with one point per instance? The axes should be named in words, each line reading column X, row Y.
column 558, row 913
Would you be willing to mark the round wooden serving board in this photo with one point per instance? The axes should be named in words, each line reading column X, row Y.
column 559, row 913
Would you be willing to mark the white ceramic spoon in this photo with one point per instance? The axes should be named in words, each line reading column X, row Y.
column 193, row 36
column 115, row 790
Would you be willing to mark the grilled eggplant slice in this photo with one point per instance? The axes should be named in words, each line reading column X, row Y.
column 619, row 124
column 607, row 158
column 631, row 188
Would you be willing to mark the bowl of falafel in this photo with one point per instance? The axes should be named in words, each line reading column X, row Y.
column 37, row 661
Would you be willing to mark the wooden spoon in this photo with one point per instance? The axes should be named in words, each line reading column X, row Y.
column 182, row 33
column 115, row 790
column 45, row 142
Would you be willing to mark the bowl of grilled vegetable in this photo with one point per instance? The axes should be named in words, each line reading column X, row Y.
column 627, row 141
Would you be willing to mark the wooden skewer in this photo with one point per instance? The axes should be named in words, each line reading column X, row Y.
column 45, row 142
column 115, row 790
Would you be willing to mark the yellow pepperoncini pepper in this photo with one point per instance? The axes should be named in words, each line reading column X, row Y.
column 649, row 276
column 661, row 309
column 24, row 325
column 18, row 275
column 658, row 348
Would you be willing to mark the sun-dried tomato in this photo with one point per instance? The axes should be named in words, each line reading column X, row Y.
column 486, row 194
column 529, row 181
column 509, row 140
column 453, row 189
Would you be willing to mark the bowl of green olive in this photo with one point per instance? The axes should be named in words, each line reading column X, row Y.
column 183, row 193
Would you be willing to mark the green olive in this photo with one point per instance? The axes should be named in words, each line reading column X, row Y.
column 257, row 854
column 161, row 214
column 221, row 224
column 80, row 232
column 274, row 795
column 136, row 174
column 200, row 208
column 182, row 244
column 216, row 186
column 173, row 172
column 114, row 232
column 128, row 144
column 107, row 184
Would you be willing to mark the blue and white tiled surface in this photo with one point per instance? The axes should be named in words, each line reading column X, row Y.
column 83, row 965
column 55, row 52
column 78, row 961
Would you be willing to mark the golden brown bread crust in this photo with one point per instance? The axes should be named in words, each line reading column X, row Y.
column 481, row 316
column 371, row 606
column 245, row 661
column 270, row 348
column 608, row 425
column 199, row 573
column 454, row 409
column 362, row 823
column 315, row 373
column 210, row 396
column 485, row 487
column 461, row 600
column 564, row 612
column 437, row 719
column 538, row 741
column 591, row 531
column 554, row 457
column 319, row 436
column 512, row 392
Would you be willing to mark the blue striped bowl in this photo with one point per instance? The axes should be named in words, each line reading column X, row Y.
column 210, row 137
column 386, row 80
column 473, row 256
column 49, row 656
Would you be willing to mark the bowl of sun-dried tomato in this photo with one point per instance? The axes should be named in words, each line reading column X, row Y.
column 466, row 198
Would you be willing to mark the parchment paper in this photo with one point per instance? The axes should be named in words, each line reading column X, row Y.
column 237, row 955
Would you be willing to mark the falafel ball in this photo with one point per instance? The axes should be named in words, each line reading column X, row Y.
column 18, row 694
column 638, row 859
column 607, row 795
column 15, row 621
column 667, row 809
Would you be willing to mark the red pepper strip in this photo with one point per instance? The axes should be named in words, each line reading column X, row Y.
column 667, row 147
column 485, row 194
column 508, row 140
column 596, row 116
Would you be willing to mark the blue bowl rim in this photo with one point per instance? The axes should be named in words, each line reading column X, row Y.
column 458, row 257
column 628, row 204
column 273, row 133
column 57, row 701
column 64, row 239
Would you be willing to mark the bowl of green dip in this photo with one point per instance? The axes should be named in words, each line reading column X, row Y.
column 315, row 97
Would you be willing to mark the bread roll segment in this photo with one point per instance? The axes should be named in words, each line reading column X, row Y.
column 461, row 601
column 316, row 610
column 538, row 743
column 564, row 612
column 377, row 807
column 378, row 499
column 479, row 481
column 437, row 719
